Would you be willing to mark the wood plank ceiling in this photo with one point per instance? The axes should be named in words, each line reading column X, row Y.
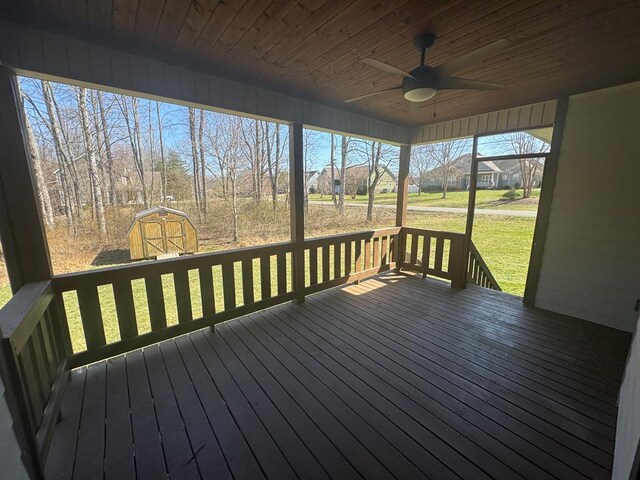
column 312, row 48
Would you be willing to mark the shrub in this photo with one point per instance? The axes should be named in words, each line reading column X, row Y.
column 511, row 194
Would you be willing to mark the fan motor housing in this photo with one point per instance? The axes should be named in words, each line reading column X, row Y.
column 424, row 78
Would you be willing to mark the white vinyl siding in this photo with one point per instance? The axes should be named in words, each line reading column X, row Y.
column 591, row 261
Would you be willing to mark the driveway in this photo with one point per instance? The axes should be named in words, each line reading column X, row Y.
column 415, row 208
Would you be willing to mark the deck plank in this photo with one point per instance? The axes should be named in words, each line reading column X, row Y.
column 149, row 455
column 395, row 377
column 90, row 451
column 119, row 445
column 62, row 452
column 205, row 445
column 178, row 450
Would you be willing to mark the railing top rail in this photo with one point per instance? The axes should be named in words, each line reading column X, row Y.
column 101, row 276
column 433, row 233
column 328, row 239
column 21, row 314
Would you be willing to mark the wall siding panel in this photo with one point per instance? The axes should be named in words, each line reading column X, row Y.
column 526, row 116
column 591, row 258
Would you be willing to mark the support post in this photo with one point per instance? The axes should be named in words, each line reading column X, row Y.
column 401, row 205
column 23, row 242
column 471, row 209
column 21, row 229
column 544, row 205
column 296, row 199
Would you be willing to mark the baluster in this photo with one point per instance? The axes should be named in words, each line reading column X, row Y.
column 125, row 309
column 367, row 254
column 247, row 281
column 228, row 285
column 385, row 251
column 325, row 264
column 347, row 258
column 207, row 298
column 183, row 295
column 413, row 259
column 155, row 302
column 358, row 254
column 282, row 273
column 376, row 252
column 439, row 254
column 265, row 277
column 91, row 316
column 337, row 260
column 426, row 254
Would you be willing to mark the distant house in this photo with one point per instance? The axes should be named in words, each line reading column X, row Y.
column 356, row 180
column 498, row 175
column 311, row 179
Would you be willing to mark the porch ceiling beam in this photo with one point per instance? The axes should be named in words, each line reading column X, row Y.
column 56, row 57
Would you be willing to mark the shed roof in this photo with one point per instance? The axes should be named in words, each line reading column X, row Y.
column 148, row 211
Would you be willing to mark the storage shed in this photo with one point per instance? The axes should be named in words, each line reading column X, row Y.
column 160, row 231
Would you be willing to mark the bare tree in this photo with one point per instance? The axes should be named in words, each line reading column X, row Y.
column 194, row 157
column 107, row 148
column 523, row 142
column 68, row 182
column 377, row 158
column 445, row 156
column 36, row 164
column 203, row 182
column 163, row 163
column 344, row 152
column 422, row 162
column 227, row 149
column 91, row 162
column 333, row 170
column 129, row 108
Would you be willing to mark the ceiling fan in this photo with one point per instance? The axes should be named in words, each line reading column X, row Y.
column 423, row 82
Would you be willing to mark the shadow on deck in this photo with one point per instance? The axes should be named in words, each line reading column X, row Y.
column 396, row 377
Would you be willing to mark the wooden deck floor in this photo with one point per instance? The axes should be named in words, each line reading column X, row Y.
column 397, row 377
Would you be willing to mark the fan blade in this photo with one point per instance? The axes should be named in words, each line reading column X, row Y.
column 456, row 83
column 385, row 66
column 379, row 92
column 449, row 68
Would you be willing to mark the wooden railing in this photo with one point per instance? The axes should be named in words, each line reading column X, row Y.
column 34, row 352
column 157, row 300
column 340, row 259
column 114, row 310
column 433, row 252
column 478, row 272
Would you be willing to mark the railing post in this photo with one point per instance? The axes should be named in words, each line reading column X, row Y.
column 296, row 198
column 401, row 205
column 458, row 262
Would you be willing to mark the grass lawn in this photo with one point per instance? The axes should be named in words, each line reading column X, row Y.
column 484, row 199
column 503, row 241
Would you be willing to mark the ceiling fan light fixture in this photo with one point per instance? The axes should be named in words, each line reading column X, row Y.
column 420, row 94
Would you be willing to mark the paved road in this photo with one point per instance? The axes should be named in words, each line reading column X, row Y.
column 415, row 208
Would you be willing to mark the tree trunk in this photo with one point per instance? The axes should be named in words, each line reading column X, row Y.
column 374, row 177
column 194, row 157
column 163, row 165
column 54, row 128
column 91, row 162
column 107, row 149
column 203, row 183
column 333, row 169
column 36, row 163
column 343, row 172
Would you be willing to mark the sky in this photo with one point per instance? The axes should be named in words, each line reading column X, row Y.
column 176, row 131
